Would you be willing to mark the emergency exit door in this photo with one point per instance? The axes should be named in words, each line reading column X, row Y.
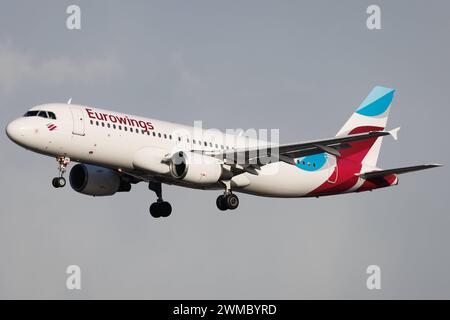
column 78, row 120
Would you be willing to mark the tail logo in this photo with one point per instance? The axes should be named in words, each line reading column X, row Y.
column 377, row 102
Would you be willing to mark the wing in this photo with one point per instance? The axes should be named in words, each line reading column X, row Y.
column 383, row 173
column 150, row 162
column 288, row 152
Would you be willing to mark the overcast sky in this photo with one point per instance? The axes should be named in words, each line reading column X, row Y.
column 302, row 67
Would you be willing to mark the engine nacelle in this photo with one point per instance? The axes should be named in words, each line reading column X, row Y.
column 195, row 168
column 96, row 181
column 149, row 159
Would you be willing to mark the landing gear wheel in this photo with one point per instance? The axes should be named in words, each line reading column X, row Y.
column 58, row 182
column 227, row 201
column 154, row 210
column 232, row 201
column 221, row 203
column 166, row 209
column 160, row 209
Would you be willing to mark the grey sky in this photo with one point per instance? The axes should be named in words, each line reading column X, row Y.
column 302, row 67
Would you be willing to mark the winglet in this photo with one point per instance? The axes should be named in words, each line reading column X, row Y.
column 69, row 101
column 437, row 165
column 394, row 133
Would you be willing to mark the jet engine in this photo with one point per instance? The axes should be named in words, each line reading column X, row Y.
column 97, row 181
column 195, row 168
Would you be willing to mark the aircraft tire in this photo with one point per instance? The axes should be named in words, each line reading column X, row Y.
column 161, row 209
column 59, row 182
column 221, row 203
column 232, row 201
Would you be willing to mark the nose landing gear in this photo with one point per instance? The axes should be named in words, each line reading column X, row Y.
column 60, row 182
column 160, row 208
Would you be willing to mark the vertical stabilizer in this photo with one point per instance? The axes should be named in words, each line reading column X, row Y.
column 371, row 115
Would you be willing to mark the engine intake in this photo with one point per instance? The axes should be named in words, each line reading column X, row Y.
column 97, row 181
column 195, row 168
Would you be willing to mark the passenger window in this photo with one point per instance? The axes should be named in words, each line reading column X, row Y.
column 131, row 129
column 179, row 138
column 154, row 134
column 170, row 136
column 125, row 128
column 120, row 127
column 103, row 124
column 92, row 122
column 109, row 126
column 205, row 143
column 114, row 126
column 159, row 134
column 96, row 122
column 165, row 136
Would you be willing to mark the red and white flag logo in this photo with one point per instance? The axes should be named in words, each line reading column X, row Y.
column 51, row 126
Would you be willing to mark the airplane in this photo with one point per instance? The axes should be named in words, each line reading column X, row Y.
column 115, row 151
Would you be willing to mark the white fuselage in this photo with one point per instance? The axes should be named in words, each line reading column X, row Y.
column 110, row 139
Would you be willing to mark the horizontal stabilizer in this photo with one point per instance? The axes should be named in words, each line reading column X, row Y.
column 383, row 173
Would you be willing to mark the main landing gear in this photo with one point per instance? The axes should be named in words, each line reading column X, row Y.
column 160, row 208
column 228, row 200
column 60, row 182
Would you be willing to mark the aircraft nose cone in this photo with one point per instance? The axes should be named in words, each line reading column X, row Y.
column 13, row 130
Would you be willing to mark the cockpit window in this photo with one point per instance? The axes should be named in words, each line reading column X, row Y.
column 40, row 113
column 31, row 114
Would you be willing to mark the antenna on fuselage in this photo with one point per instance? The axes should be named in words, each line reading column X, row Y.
column 69, row 101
